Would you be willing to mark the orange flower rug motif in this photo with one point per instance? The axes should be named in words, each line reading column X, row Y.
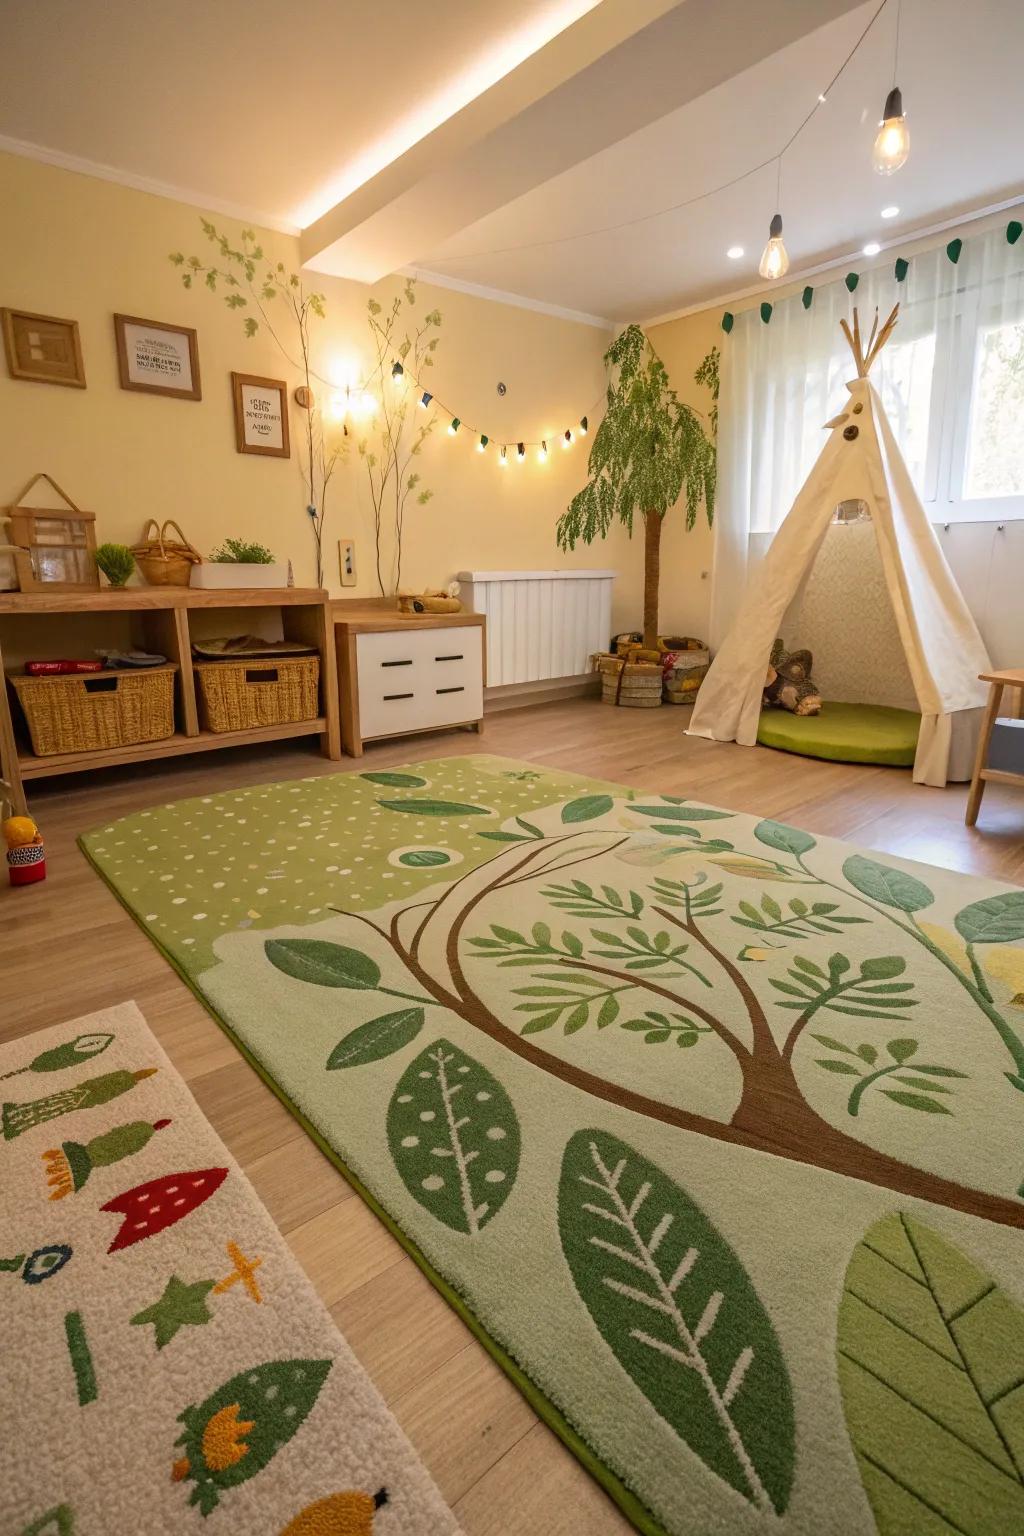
column 167, row 1366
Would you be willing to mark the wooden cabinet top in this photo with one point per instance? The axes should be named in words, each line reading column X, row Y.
column 145, row 599
column 370, row 620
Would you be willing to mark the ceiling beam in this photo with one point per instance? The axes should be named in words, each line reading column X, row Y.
column 623, row 65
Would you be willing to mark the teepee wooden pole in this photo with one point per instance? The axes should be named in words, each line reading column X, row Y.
column 874, row 331
column 853, row 337
column 882, row 338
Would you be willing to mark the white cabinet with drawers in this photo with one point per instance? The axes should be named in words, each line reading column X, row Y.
column 400, row 676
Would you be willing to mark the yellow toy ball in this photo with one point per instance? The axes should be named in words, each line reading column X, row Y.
column 19, row 831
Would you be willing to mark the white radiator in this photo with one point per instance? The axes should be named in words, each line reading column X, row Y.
column 540, row 623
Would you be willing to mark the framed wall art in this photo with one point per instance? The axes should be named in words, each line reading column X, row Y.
column 158, row 359
column 261, row 415
column 42, row 348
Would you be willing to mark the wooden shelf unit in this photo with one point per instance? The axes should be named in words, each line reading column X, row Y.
column 157, row 618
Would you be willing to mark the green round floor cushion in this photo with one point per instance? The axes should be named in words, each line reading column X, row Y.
column 845, row 733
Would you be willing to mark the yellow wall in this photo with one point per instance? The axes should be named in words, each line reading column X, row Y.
column 82, row 248
column 686, row 557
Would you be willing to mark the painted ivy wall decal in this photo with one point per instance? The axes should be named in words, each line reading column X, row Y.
column 677, row 1309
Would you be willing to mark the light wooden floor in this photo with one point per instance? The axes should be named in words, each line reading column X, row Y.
column 66, row 948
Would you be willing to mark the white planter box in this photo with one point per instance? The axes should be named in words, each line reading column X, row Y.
column 216, row 575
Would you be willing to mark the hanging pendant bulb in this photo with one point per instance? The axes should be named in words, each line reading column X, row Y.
column 892, row 146
column 425, row 398
column 583, row 426
column 397, row 371
column 567, row 438
column 482, row 444
column 453, row 426
column 520, row 451
column 503, row 458
column 774, row 261
column 542, row 453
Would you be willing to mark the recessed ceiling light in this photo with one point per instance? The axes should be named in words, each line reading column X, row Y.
column 734, row 252
column 890, row 212
column 872, row 248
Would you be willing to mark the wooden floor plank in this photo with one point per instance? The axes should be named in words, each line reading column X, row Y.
column 67, row 947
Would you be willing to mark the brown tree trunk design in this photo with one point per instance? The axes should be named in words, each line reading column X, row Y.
column 652, row 577
column 772, row 1114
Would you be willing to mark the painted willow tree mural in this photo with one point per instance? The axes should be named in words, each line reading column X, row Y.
column 657, row 927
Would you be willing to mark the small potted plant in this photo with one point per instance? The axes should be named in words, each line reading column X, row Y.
column 239, row 563
column 117, row 562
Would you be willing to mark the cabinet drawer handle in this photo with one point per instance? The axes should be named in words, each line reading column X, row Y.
column 459, row 657
column 449, row 690
column 389, row 696
column 396, row 663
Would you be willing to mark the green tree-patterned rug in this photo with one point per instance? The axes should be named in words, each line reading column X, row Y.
column 711, row 1129
column 167, row 1367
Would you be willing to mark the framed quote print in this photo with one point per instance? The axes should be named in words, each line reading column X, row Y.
column 42, row 348
column 158, row 359
column 261, row 415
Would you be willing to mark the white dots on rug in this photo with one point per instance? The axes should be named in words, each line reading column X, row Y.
column 427, row 1115
column 433, row 1182
column 410, row 1141
column 494, row 1176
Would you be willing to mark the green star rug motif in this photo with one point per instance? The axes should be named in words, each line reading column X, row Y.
column 709, row 1128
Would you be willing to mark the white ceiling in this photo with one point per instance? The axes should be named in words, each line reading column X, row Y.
column 285, row 114
column 960, row 74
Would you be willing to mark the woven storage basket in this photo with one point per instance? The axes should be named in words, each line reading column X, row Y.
column 163, row 562
column 88, row 712
column 238, row 695
column 633, row 685
column 684, row 677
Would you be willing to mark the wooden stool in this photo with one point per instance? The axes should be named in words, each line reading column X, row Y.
column 997, row 681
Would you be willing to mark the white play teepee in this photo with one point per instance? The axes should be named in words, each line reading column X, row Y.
column 943, row 649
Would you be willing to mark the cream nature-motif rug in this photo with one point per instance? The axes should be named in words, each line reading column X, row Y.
column 167, row 1367
column 709, row 1128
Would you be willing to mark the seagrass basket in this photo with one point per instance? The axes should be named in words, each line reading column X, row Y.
column 241, row 695
column 86, row 713
column 631, row 685
column 163, row 561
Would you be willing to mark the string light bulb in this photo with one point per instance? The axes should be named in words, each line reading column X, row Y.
column 520, row 451
column 482, row 444
column 543, row 453
column 425, row 398
column 892, row 146
column 397, row 370
column 453, row 426
column 567, row 438
column 503, row 457
column 774, row 261
column 583, row 426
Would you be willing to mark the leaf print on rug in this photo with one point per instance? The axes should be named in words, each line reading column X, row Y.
column 59, row 1521
column 676, row 1307
column 340, row 1514
column 454, row 1137
column 931, row 1369
column 70, row 1054
column 18, row 1118
column 156, row 1205
column 70, row 1165
column 239, row 1428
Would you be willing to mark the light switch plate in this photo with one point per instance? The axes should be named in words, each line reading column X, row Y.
column 347, row 561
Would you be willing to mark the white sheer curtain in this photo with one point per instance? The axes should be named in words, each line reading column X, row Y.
column 951, row 380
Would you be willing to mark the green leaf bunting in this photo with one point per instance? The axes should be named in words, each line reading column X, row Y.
column 675, row 1306
column 378, row 1038
column 454, row 1137
column 931, row 1360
